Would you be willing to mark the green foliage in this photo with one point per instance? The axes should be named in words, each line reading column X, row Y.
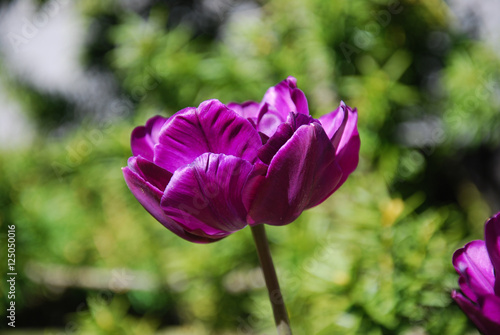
column 375, row 258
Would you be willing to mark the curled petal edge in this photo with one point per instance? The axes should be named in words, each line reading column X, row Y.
column 149, row 197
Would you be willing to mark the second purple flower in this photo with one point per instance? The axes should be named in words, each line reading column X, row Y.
column 207, row 172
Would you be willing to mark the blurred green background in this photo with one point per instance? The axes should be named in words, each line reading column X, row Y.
column 375, row 258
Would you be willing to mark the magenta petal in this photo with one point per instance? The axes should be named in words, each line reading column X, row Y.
column 278, row 102
column 150, row 172
column 469, row 308
column 249, row 110
column 275, row 142
column 332, row 121
column 492, row 239
column 269, row 120
column 149, row 197
column 211, row 127
column 464, row 286
column 301, row 175
column 477, row 316
column 300, row 101
column 341, row 127
column 347, row 130
column 144, row 138
column 296, row 120
column 465, row 304
column 286, row 98
column 283, row 133
column 473, row 263
column 490, row 306
column 206, row 195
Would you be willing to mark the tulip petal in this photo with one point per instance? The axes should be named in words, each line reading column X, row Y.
column 144, row 138
column 206, row 194
column 464, row 286
column 211, row 127
column 473, row 263
column 296, row 120
column 275, row 142
column 249, row 110
column 283, row 133
column 269, row 120
column 492, row 239
column 286, row 98
column 302, row 174
column 149, row 197
column 332, row 121
column 278, row 102
column 490, row 306
column 477, row 316
column 150, row 172
column 341, row 127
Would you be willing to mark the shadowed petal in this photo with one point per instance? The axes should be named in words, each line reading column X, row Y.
column 249, row 110
column 464, row 286
column 211, row 127
column 144, row 138
column 302, row 174
column 492, row 239
column 149, row 197
column 275, row 142
column 296, row 120
column 283, row 133
column 490, row 306
column 150, row 172
column 206, row 194
column 473, row 263
column 341, row 127
column 484, row 324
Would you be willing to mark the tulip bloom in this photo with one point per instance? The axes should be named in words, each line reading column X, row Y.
column 478, row 264
column 207, row 172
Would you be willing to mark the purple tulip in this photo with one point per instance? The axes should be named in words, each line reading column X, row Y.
column 207, row 172
column 478, row 264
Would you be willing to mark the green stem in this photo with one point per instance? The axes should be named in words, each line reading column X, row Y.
column 273, row 287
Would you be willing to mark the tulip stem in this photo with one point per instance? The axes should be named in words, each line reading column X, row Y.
column 273, row 287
